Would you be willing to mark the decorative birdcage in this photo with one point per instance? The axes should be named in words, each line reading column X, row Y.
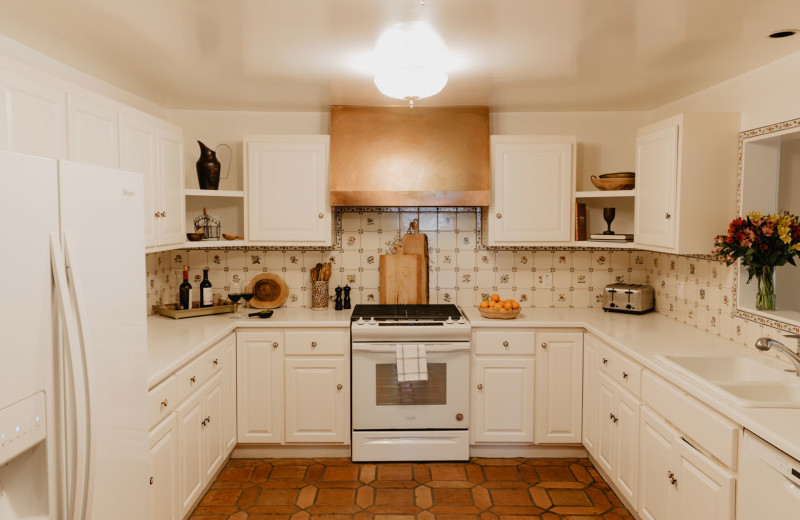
column 208, row 225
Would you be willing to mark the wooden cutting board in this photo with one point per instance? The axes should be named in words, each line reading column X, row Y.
column 399, row 279
column 416, row 243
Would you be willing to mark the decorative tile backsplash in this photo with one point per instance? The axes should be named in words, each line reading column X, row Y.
column 694, row 290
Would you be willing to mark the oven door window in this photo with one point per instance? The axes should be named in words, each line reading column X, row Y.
column 389, row 392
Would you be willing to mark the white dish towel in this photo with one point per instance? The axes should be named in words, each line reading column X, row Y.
column 412, row 364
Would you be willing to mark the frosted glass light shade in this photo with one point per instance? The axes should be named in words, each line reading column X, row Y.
column 411, row 83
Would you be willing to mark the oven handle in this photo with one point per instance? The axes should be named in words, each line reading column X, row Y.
column 387, row 348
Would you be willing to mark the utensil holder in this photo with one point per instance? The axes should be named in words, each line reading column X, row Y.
column 319, row 296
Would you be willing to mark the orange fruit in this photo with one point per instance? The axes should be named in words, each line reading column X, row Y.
column 495, row 297
column 484, row 305
column 498, row 306
column 514, row 304
column 507, row 304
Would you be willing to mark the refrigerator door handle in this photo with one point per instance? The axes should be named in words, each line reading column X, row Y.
column 77, row 366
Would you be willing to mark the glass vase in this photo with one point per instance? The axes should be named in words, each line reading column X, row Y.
column 765, row 297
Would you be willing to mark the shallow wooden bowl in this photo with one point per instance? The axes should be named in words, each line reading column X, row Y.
column 499, row 315
column 613, row 183
column 194, row 237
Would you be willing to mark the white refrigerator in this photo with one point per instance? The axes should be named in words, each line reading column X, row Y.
column 73, row 384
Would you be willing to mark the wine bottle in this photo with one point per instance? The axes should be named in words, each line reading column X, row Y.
column 206, row 298
column 185, row 290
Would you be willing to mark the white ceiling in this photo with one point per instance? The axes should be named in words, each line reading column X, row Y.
column 542, row 55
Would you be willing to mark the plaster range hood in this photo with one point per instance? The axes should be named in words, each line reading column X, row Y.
column 401, row 156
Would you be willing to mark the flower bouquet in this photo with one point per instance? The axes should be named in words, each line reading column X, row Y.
column 763, row 242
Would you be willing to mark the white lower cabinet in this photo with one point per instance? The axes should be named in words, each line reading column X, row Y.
column 591, row 347
column 293, row 386
column 229, row 436
column 559, row 384
column 502, row 397
column 618, row 436
column 164, row 470
column 677, row 481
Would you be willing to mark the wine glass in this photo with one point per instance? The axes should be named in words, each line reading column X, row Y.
column 234, row 295
column 608, row 216
column 247, row 295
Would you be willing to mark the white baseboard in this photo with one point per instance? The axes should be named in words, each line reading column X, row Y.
column 260, row 451
column 526, row 450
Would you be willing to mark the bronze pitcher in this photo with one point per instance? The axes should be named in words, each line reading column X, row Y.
column 208, row 168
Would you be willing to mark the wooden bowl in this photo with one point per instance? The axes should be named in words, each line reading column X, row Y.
column 194, row 237
column 499, row 315
column 618, row 175
column 612, row 183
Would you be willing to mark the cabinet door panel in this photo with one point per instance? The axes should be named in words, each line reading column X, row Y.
column 504, row 401
column 93, row 133
column 315, row 400
column 558, row 387
column 532, row 192
column 606, row 430
column 164, row 470
column 288, row 191
column 655, row 463
column 33, row 117
column 590, row 411
column 259, row 374
column 656, row 180
column 190, row 452
column 705, row 490
column 229, row 406
column 170, row 176
column 627, row 461
column 213, row 454
column 138, row 154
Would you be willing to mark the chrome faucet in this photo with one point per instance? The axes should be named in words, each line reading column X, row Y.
column 767, row 343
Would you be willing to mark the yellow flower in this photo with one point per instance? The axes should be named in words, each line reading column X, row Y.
column 754, row 215
column 796, row 247
column 784, row 234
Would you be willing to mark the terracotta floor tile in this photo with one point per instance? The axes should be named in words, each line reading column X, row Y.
column 338, row 489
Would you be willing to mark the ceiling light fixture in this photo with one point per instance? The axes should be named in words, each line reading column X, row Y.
column 412, row 60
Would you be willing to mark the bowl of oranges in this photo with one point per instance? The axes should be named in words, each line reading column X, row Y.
column 498, row 309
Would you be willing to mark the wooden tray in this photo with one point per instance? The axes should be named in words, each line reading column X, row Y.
column 172, row 311
column 499, row 315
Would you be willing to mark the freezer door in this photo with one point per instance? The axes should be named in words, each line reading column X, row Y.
column 103, row 240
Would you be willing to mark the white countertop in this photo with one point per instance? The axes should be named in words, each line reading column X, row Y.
column 642, row 337
column 173, row 343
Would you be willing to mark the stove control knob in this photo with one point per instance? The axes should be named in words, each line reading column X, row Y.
column 360, row 321
column 449, row 320
column 372, row 321
column 461, row 320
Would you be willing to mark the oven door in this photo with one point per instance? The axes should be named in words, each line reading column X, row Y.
column 381, row 403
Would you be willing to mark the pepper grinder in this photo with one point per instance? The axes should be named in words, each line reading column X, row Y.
column 346, row 296
column 338, row 303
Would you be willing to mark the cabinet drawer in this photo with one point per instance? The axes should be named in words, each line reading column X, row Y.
column 161, row 400
column 621, row 369
column 311, row 342
column 515, row 342
column 195, row 374
column 701, row 426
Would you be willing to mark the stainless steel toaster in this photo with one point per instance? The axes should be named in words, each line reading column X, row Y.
column 630, row 298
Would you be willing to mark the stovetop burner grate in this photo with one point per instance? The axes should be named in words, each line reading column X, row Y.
column 406, row 312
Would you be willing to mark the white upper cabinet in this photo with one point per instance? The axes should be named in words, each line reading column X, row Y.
column 287, row 190
column 532, row 185
column 169, row 151
column 138, row 154
column 93, row 132
column 686, row 180
column 32, row 117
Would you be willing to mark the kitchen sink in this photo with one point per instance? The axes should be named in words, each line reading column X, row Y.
column 742, row 380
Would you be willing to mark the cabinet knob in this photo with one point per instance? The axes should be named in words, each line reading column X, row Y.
column 613, row 417
column 321, row 215
column 499, row 215
column 164, row 403
column 203, row 422
column 544, row 345
column 605, row 361
column 208, row 418
column 667, row 216
column 459, row 417
column 163, row 214
column 480, row 386
column 193, row 379
column 216, row 361
column 313, row 344
column 157, row 214
column 505, row 343
column 339, row 386
column 671, row 477
column 275, row 344
column 152, row 479
column 625, row 375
